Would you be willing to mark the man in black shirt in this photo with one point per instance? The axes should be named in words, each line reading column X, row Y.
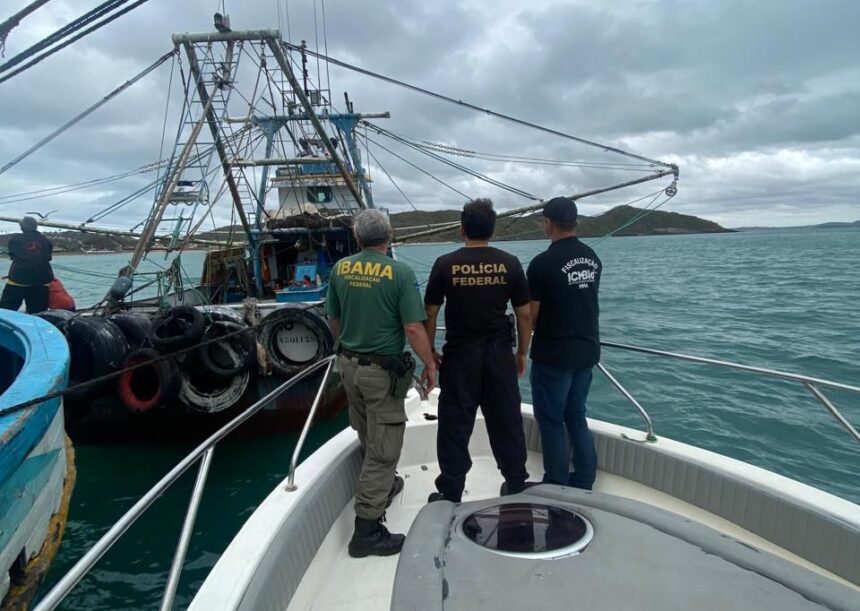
column 479, row 368
column 30, row 272
column 563, row 281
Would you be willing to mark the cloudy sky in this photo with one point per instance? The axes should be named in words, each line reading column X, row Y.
column 757, row 101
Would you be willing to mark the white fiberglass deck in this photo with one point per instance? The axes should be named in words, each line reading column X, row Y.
column 292, row 552
column 336, row 582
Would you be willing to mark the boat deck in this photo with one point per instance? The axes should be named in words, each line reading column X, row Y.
column 334, row 581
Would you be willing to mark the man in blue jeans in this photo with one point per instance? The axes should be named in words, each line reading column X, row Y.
column 563, row 281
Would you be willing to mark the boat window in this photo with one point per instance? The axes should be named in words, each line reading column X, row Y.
column 320, row 195
column 528, row 529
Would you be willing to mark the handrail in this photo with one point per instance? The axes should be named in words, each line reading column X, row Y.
column 649, row 426
column 291, row 482
column 810, row 383
column 67, row 583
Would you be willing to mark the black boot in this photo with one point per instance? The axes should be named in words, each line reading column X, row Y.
column 515, row 488
column 371, row 538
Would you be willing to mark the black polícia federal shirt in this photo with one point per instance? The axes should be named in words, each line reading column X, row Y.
column 565, row 279
column 476, row 284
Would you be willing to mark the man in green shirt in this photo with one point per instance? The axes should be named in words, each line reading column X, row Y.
column 374, row 304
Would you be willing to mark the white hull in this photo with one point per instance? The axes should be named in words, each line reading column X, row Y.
column 292, row 551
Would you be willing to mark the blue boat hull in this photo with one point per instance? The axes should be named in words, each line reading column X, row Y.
column 34, row 462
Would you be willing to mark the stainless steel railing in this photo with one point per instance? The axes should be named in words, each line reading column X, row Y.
column 811, row 384
column 202, row 453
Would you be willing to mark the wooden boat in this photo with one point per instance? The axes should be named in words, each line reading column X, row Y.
column 36, row 459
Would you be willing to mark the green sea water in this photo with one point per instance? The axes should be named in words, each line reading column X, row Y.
column 779, row 299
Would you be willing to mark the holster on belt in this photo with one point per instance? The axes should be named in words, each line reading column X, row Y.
column 400, row 368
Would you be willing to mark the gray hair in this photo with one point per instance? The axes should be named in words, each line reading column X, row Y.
column 372, row 228
column 28, row 223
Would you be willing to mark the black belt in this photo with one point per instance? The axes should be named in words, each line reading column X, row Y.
column 364, row 358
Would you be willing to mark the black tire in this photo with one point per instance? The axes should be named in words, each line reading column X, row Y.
column 216, row 313
column 220, row 362
column 150, row 386
column 97, row 348
column 59, row 318
column 181, row 327
column 135, row 327
column 203, row 392
column 301, row 328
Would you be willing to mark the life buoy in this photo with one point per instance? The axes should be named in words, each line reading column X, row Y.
column 149, row 386
column 295, row 337
column 182, row 326
column 135, row 327
column 201, row 391
column 97, row 348
column 219, row 361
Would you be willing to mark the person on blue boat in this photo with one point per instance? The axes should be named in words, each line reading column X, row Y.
column 563, row 281
column 374, row 305
column 478, row 367
column 30, row 272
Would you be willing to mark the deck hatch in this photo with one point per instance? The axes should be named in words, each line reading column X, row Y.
column 528, row 530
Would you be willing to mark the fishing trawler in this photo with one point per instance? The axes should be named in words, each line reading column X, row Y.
column 187, row 364
column 37, row 471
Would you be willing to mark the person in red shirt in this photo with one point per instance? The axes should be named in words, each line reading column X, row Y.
column 58, row 297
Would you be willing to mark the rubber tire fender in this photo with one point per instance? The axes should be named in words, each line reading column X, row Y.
column 58, row 318
column 245, row 344
column 218, row 313
column 97, row 347
column 135, row 327
column 168, row 380
column 199, row 399
column 310, row 318
column 181, row 327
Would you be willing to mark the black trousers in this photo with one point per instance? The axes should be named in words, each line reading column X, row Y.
column 35, row 296
column 482, row 375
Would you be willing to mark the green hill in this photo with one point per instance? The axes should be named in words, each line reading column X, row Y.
column 657, row 222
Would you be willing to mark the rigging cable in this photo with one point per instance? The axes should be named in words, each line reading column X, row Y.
column 487, row 111
column 74, row 39
column 64, row 31
column 166, row 112
column 87, row 112
column 26, row 196
column 456, row 166
column 420, row 169
column 15, row 20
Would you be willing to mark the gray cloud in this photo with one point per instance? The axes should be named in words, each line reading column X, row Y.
column 757, row 101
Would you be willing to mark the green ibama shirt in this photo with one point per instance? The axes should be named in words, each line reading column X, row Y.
column 373, row 296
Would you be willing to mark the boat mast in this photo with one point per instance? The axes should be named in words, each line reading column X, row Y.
column 158, row 210
column 278, row 53
column 194, row 66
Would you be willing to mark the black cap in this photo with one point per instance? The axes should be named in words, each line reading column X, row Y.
column 562, row 209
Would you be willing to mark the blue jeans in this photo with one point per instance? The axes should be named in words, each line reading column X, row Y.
column 559, row 405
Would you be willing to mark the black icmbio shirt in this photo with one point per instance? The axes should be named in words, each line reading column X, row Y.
column 476, row 284
column 565, row 279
